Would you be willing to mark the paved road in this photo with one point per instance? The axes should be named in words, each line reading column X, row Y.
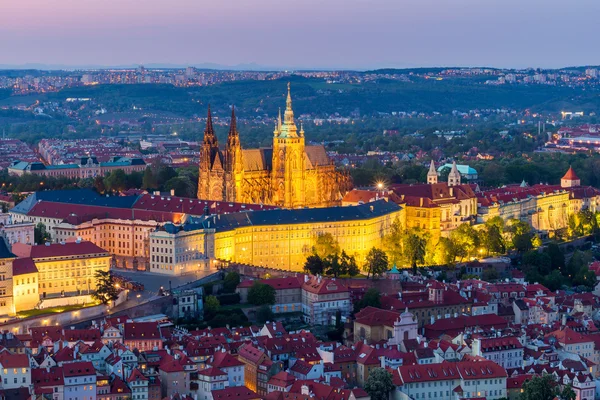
column 153, row 282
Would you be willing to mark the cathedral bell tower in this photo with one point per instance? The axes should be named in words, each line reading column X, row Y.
column 288, row 160
column 432, row 176
column 234, row 167
column 211, row 172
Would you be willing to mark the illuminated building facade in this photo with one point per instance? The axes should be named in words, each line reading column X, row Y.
column 6, row 279
column 272, row 238
column 284, row 238
column 65, row 269
column 290, row 174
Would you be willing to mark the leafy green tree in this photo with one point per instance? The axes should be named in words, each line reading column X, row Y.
column 264, row 314
column 164, row 173
column 261, row 293
column 493, row 241
column 522, row 235
column 326, row 245
column 539, row 261
column 182, row 186
column 578, row 261
column 116, row 181
column 585, row 277
column 231, row 281
column 414, row 249
column 377, row 263
column 445, row 252
column 372, row 298
column 86, row 183
column 348, row 264
column 211, row 307
column 379, row 384
column 557, row 258
column 490, row 274
column 567, row 393
column 465, row 239
column 539, row 388
column 392, row 243
column 554, row 280
column 148, row 180
column 333, row 267
column 106, row 291
column 314, row 265
column 41, row 234
column 99, row 184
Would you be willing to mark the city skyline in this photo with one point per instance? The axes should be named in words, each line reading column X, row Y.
column 308, row 35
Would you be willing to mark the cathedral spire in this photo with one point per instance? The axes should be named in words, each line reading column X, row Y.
column 288, row 102
column 288, row 129
column 209, row 133
column 233, row 132
column 279, row 120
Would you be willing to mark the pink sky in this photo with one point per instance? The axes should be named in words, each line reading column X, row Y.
column 301, row 33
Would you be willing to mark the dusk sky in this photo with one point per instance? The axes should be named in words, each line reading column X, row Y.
column 352, row 34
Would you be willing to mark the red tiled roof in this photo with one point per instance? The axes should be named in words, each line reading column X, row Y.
column 237, row 393
column 282, row 379
column 9, row 360
column 118, row 386
column 57, row 250
column 79, row 369
column 250, row 353
column 569, row 336
column 372, row 316
column 450, row 371
column 324, row 286
column 38, row 333
column 136, row 375
column 141, row 331
column 502, row 343
column 43, row 377
column 223, row 359
column 571, row 175
column 212, row 371
column 301, row 367
column 22, row 266
column 87, row 335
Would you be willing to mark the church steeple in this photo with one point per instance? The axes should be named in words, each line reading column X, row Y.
column 209, row 133
column 432, row 176
column 288, row 129
column 233, row 137
column 454, row 175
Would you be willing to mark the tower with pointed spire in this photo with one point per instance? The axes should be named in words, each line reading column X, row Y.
column 570, row 179
column 432, row 176
column 288, row 160
column 290, row 174
column 211, row 172
column 234, row 165
column 454, row 175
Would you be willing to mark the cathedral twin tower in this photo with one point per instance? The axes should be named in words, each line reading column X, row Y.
column 289, row 174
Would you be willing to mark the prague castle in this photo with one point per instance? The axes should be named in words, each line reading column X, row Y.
column 290, row 174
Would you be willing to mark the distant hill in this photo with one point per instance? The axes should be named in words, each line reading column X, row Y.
column 315, row 96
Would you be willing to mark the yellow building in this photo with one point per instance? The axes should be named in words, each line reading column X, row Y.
column 436, row 208
column 25, row 280
column 284, row 238
column 121, row 237
column 6, row 280
column 546, row 208
column 290, row 174
column 280, row 238
column 66, row 269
